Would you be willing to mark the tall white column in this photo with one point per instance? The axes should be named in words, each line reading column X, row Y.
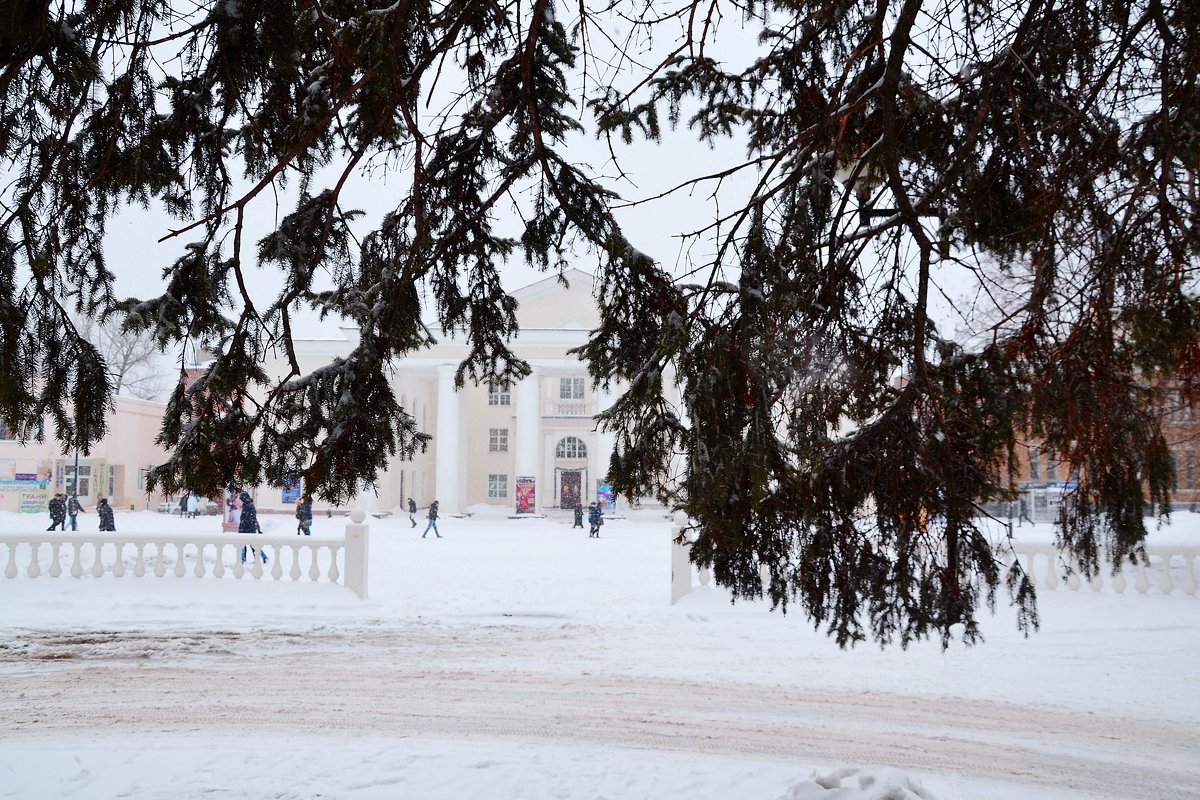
column 447, row 482
column 605, row 443
column 529, row 430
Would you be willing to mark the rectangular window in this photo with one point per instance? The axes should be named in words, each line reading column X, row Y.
column 497, row 485
column 142, row 474
column 4, row 433
column 1190, row 469
column 1178, row 410
column 1051, row 466
column 1035, row 464
column 499, row 396
column 85, row 480
column 498, row 440
column 570, row 388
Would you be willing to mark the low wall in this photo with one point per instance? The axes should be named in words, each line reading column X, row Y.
column 1165, row 569
column 341, row 561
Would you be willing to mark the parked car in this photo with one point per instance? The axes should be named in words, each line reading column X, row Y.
column 208, row 508
column 205, row 507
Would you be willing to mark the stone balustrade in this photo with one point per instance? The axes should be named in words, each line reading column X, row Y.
column 341, row 561
column 1167, row 569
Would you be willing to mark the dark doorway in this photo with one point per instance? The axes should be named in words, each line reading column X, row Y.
column 568, row 487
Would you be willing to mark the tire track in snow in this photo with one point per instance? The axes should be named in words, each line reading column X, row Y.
column 388, row 685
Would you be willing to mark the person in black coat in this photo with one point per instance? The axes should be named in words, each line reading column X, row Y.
column 304, row 515
column 248, row 523
column 74, row 509
column 105, row 513
column 595, row 520
column 58, row 512
column 412, row 512
column 578, row 514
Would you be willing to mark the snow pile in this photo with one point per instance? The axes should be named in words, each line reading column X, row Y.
column 852, row 783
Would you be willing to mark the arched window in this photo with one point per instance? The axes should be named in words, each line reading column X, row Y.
column 571, row 447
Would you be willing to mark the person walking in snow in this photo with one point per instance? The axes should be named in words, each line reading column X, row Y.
column 433, row 514
column 304, row 515
column 578, row 514
column 595, row 520
column 248, row 523
column 193, row 505
column 74, row 509
column 412, row 512
column 58, row 512
column 105, row 513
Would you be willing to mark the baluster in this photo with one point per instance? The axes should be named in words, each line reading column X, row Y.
column 139, row 565
column 334, row 574
column 180, row 567
column 1097, row 581
column 1073, row 581
column 1189, row 577
column 55, row 569
column 239, row 568
column 118, row 569
column 219, row 563
column 199, row 570
column 295, row 572
column 34, row 568
column 97, row 561
column 314, row 569
column 1165, row 584
column 257, row 569
column 1142, row 583
column 160, row 563
column 277, row 568
column 1052, row 575
column 1119, row 579
column 77, row 563
column 10, row 571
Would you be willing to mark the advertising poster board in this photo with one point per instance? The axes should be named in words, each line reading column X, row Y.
column 231, row 512
column 604, row 495
column 526, row 494
column 31, row 497
column 34, row 498
column 291, row 490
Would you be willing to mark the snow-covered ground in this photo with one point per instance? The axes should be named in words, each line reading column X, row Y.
column 521, row 659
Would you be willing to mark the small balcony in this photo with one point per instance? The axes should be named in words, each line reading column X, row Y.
column 569, row 409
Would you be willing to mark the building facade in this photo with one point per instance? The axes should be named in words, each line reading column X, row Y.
column 1039, row 467
column 32, row 472
column 531, row 447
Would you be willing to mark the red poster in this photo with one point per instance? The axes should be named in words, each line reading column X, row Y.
column 526, row 494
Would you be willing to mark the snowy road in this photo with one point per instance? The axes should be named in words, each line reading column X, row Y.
column 381, row 680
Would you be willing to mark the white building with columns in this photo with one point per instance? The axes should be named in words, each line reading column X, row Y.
column 490, row 442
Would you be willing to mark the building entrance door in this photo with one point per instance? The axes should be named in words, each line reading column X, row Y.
column 570, row 481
